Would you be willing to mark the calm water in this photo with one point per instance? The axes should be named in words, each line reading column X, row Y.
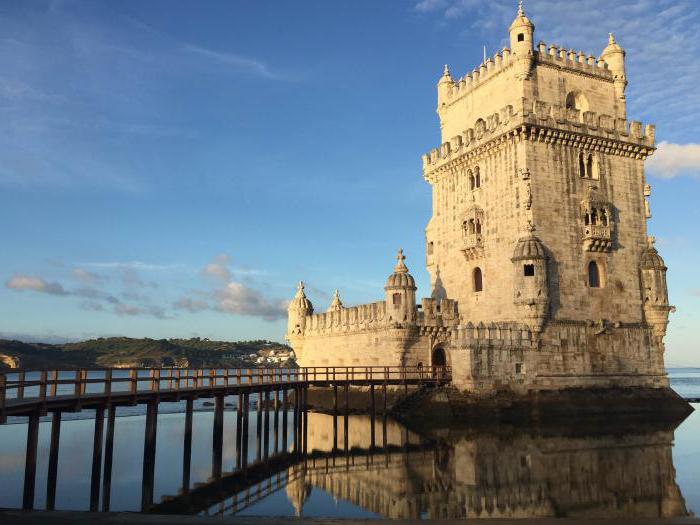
column 510, row 472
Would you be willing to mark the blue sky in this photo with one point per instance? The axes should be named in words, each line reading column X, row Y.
column 171, row 168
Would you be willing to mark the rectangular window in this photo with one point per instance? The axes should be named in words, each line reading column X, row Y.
column 397, row 298
column 529, row 270
column 518, row 368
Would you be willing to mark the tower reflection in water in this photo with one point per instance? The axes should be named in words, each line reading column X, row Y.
column 509, row 472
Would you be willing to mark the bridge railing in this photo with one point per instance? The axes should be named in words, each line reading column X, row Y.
column 42, row 385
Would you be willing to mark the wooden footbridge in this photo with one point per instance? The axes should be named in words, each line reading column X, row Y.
column 32, row 394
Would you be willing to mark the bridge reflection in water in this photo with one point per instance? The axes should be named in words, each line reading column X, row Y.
column 503, row 473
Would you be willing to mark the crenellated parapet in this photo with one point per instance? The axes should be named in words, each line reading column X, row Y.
column 344, row 320
column 504, row 335
column 544, row 122
column 552, row 55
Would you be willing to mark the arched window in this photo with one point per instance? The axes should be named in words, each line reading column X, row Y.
column 589, row 166
column 472, row 226
column 593, row 275
column 478, row 225
column 478, row 280
column 603, row 217
column 477, row 178
column 594, row 216
column 581, row 165
column 396, row 298
column 472, row 181
column 576, row 100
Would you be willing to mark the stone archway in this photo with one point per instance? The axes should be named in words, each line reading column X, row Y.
column 438, row 358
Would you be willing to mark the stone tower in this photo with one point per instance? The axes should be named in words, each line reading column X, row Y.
column 537, row 135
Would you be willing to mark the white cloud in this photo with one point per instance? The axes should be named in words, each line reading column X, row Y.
column 237, row 62
column 237, row 298
column 87, row 277
column 36, row 284
column 191, row 305
column 218, row 268
column 231, row 296
column 671, row 160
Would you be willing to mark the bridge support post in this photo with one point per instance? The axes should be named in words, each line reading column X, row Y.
column 96, row 475
column 335, row 416
column 149, row 455
column 239, row 430
column 187, row 446
column 109, row 453
column 296, row 419
column 53, row 461
column 372, row 416
column 284, row 419
column 346, row 418
column 305, row 397
column 258, row 428
column 244, row 448
column 266, row 431
column 30, row 461
column 277, row 420
column 217, row 438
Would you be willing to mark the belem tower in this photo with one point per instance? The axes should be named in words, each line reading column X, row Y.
column 543, row 275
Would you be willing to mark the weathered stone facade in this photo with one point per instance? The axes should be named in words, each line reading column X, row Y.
column 542, row 273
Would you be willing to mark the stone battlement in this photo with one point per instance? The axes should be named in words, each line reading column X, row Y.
column 361, row 317
column 552, row 116
column 551, row 55
column 572, row 60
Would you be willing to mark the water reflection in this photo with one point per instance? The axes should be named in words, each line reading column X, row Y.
column 359, row 466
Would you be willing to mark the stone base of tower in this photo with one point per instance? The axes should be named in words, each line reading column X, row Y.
column 633, row 405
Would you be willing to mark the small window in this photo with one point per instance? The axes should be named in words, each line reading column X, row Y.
column 593, row 275
column 581, row 165
column 521, row 37
column 430, row 248
column 478, row 280
column 477, row 178
column 529, row 270
column 397, row 298
column 518, row 368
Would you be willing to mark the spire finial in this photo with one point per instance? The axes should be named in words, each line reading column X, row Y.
column 521, row 12
column 400, row 266
column 336, row 303
column 530, row 227
column 650, row 241
column 611, row 39
column 446, row 71
column 300, row 289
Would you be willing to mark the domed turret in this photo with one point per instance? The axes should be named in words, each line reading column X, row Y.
column 298, row 309
column 614, row 57
column 444, row 87
column 336, row 304
column 400, row 291
column 654, row 289
column 531, row 290
column 522, row 33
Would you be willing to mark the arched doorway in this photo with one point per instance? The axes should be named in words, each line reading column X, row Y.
column 438, row 361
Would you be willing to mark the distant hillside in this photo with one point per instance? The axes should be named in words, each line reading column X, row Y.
column 128, row 352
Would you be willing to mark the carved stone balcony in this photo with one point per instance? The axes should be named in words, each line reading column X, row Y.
column 473, row 245
column 597, row 238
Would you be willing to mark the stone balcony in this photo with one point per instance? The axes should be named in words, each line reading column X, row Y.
column 473, row 245
column 597, row 238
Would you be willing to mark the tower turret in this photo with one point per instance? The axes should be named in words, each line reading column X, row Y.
column 531, row 290
column 444, row 87
column 614, row 57
column 298, row 309
column 654, row 290
column 401, row 293
column 336, row 304
column 522, row 33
